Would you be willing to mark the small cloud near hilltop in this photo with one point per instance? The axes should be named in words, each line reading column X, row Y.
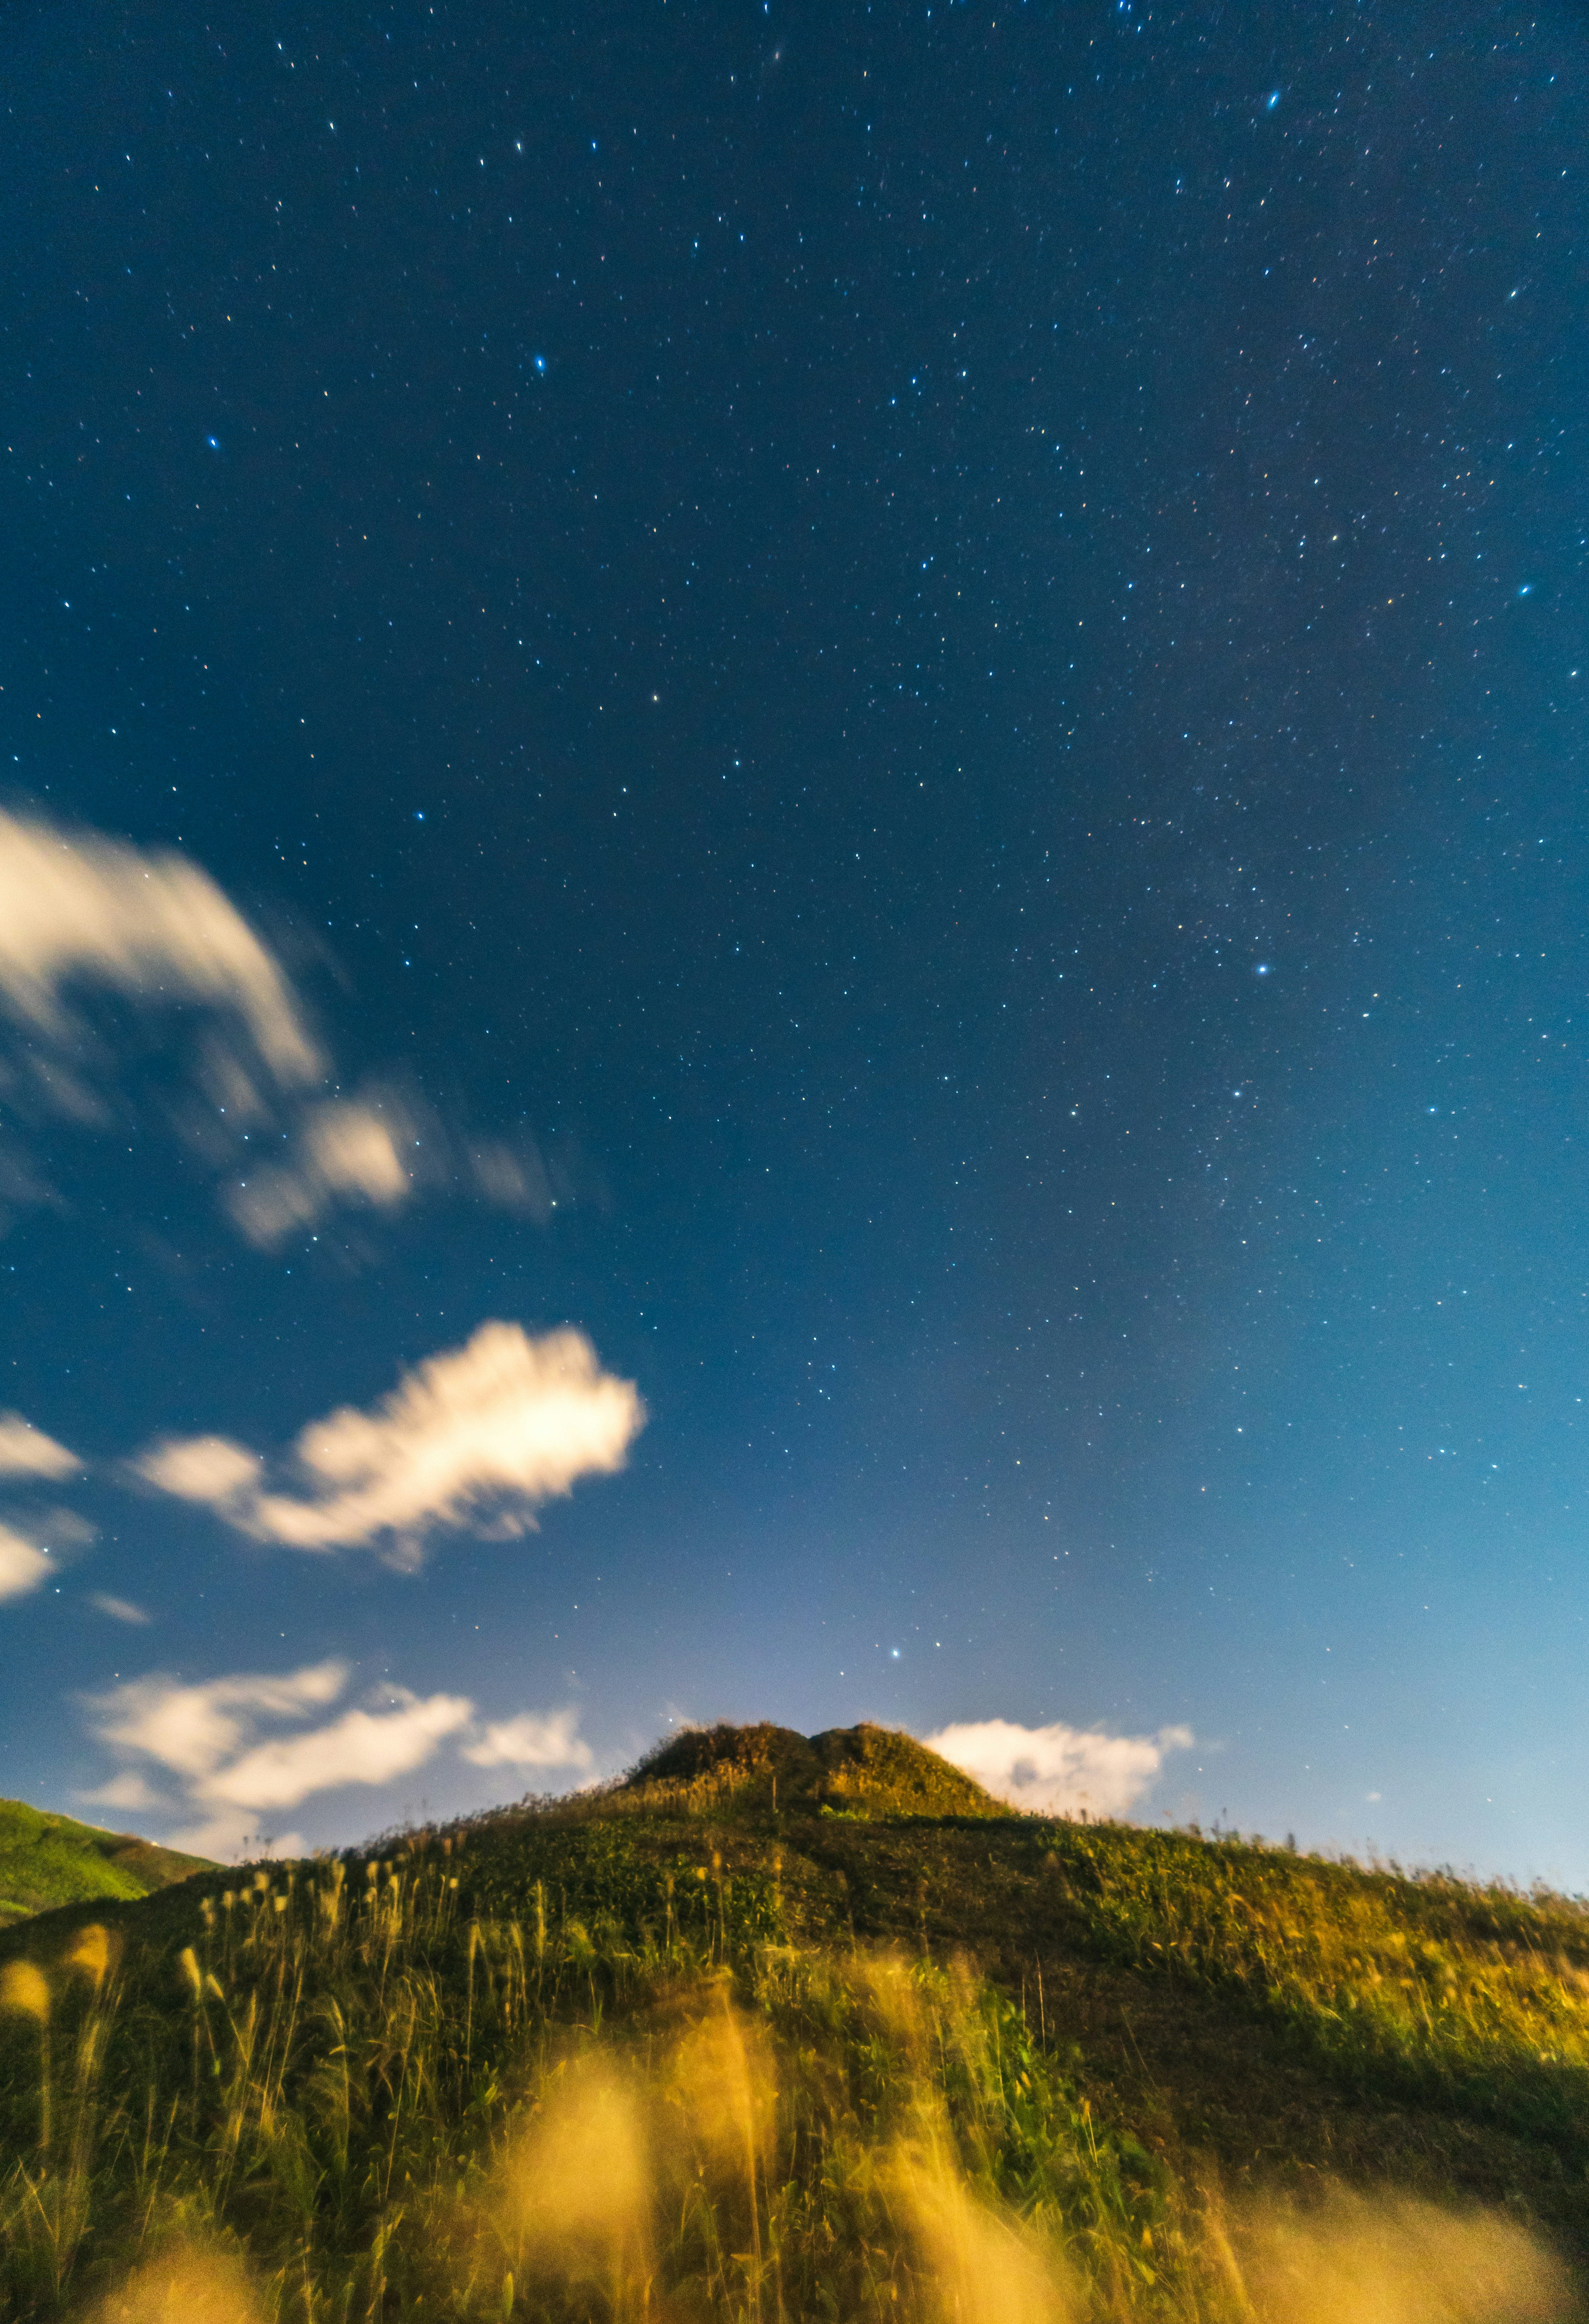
column 222, row 1757
column 1059, row 1770
column 479, row 1435
column 532, row 1741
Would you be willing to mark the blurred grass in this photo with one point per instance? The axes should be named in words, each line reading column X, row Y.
column 332, row 2075
column 675, row 2054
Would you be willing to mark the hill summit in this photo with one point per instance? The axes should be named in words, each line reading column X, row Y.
column 860, row 1771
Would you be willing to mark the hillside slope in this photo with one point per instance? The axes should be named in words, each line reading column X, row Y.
column 825, row 2048
column 47, row 1860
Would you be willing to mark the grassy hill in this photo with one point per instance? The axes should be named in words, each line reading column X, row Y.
column 788, row 2028
column 49, row 1859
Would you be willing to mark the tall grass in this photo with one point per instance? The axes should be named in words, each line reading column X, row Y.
column 1426, row 1989
column 354, row 2098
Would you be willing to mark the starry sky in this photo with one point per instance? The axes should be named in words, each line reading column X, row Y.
column 791, row 905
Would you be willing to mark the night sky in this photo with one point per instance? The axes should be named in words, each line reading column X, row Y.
column 881, row 708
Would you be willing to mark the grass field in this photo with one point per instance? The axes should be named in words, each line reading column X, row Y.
column 675, row 2052
column 49, row 1859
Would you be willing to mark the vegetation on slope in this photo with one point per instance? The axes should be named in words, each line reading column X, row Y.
column 859, row 1771
column 47, row 1860
column 667, row 2052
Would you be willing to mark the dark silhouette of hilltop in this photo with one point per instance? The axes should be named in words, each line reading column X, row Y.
column 858, row 1771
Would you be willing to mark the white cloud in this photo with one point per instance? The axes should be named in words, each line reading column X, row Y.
column 226, row 1834
column 195, row 1729
column 127, row 1790
column 151, row 926
column 345, row 1150
column 228, row 1754
column 120, row 1609
column 361, row 1746
column 84, row 915
column 1057, row 1770
column 209, row 1469
column 23, row 1566
column 26, row 1451
column 532, row 1740
column 478, row 1435
column 230, row 1775
column 514, row 1177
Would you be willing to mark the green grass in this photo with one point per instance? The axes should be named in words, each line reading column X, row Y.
column 1433, row 1990
column 670, row 2052
column 47, row 1860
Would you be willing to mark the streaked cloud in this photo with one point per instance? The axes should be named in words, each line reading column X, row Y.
column 83, row 917
column 24, row 1567
column 129, row 1789
column 210, row 1468
column 344, row 1149
column 532, row 1740
column 1059, row 1770
column 148, row 924
column 120, row 1609
column 220, row 1769
column 195, row 1729
column 26, row 1451
column 478, row 1435
column 222, row 1758
column 361, row 1746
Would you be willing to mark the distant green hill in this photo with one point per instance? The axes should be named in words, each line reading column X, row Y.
column 868, row 2047
column 47, row 1860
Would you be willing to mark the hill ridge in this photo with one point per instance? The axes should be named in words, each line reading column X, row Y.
column 47, row 1860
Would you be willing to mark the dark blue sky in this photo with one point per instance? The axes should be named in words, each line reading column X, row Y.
column 925, row 664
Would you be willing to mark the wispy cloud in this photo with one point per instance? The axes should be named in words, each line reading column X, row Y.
column 23, row 1565
column 532, row 1740
column 129, row 1791
column 226, row 1755
column 361, row 1150
column 83, row 917
column 148, row 924
column 27, row 1454
column 478, row 1435
column 361, row 1746
column 120, row 1609
column 195, row 1729
column 26, row 1451
column 381, row 1149
column 1059, row 1770
column 224, row 1774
